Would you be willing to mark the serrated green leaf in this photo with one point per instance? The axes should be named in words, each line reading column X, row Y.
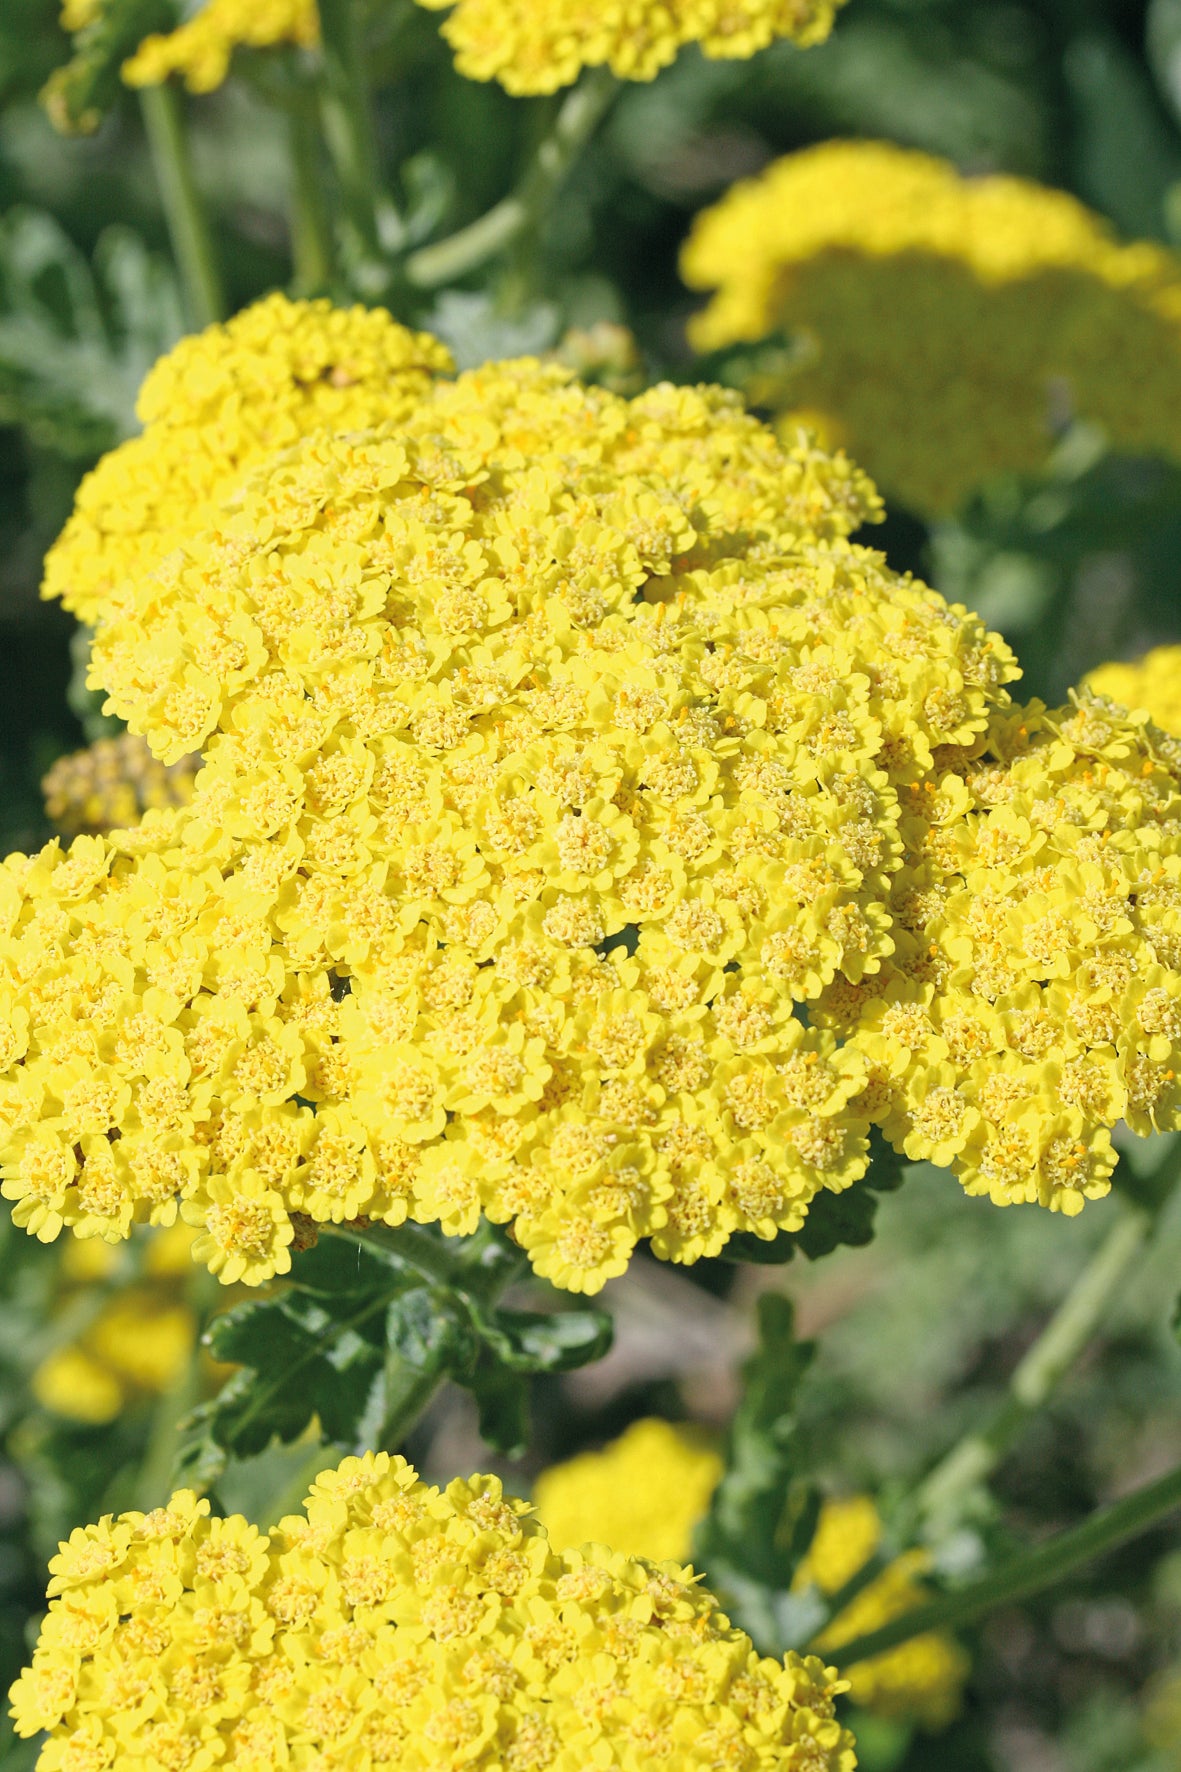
column 763, row 1513
column 79, row 95
column 502, row 1398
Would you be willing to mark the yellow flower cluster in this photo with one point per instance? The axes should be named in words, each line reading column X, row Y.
column 951, row 325
column 652, row 1486
column 1033, row 997
column 1152, row 683
column 139, row 1341
column 211, row 409
column 921, row 1679
column 645, row 1492
column 537, row 46
column 554, row 750
column 397, row 1626
column 201, row 48
column 113, row 782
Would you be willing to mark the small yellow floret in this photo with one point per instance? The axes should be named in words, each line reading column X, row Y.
column 537, row 46
column 1151, row 683
column 397, row 1625
column 951, row 325
column 652, row 1486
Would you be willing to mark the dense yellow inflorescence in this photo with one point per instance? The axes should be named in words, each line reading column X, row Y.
column 537, row 46
column 1151, row 683
column 1033, row 997
column 648, row 1488
column 553, row 750
column 653, row 1485
column 140, row 1339
column 112, row 783
column 200, row 50
column 951, row 326
column 211, row 409
column 396, row 1626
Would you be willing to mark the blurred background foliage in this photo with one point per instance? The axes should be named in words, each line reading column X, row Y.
column 921, row 1331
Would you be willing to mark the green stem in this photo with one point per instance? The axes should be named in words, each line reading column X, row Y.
column 352, row 142
column 311, row 225
column 1029, row 1574
column 188, row 223
column 174, row 1404
column 1041, row 1370
column 448, row 260
column 479, row 1265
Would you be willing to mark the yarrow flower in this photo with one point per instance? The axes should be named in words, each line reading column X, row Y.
column 201, row 48
column 1151, row 683
column 537, row 46
column 139, row 1341
column 112, row 783
column 396, row 1625
column 587, row 827
column 653, row 1485
column 211, row 409
column 994, row 308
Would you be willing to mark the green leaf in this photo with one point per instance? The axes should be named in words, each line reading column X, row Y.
column 502, row 1398
column 555, row 1341
column 77, row 339
column 79, row 95
column 764, row 1511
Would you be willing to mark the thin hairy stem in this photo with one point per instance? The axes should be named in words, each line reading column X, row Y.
column 352, row 142
column 312, row 244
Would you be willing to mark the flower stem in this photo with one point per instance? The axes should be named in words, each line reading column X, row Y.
column 312, row 245
column 348, row 130
column 188, row 223
column 576, row 122
column 1040, row 1371
column 1028, row 1574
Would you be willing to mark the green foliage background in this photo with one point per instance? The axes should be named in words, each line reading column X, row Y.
column 922, row 1330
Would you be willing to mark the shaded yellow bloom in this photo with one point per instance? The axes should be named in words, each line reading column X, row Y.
column 200, row 50
column 534, row 46
column 394, row 1624
column 1152, row 683
column 139, row 1340
column 950, row 326
column 211, row 408
column 653, row 1484
column 112, row 783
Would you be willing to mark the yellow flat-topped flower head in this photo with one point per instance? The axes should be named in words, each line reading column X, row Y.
column 393, row 1624
column 653, row 1485
column 200, row 50
column 950, row 326
column 553, row 748
column 275, row 373
column 112, row 783
column 537, row 46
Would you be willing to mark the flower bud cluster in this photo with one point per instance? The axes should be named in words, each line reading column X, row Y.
column 112, row 783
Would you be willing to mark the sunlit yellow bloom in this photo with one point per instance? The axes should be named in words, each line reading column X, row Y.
column 653, row 1485
column 533, row 46
column 396, row 1625
column 950, row 326
column 200, row 49
column 1152, row 683
column 211, row 408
